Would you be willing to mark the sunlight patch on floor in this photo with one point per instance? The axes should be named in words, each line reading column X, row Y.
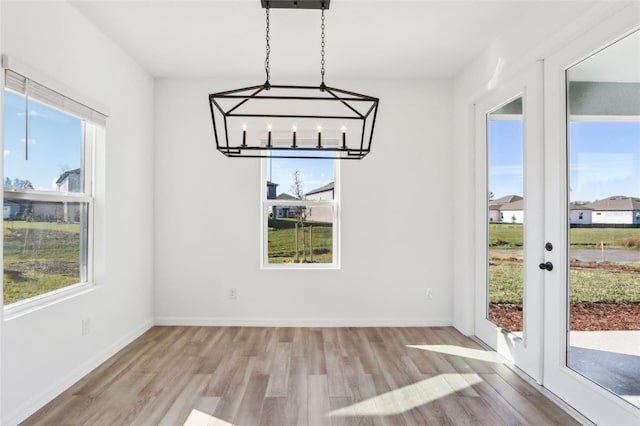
column 478, row 354
column 198, row 418
column 409, row 397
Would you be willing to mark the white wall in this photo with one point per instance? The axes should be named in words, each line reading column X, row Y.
column 43, row 351
column 574, row 217
column 613, row 217
column 208, row 219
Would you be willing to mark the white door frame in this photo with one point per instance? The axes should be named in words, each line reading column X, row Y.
column 591, row 400
column 525, row 352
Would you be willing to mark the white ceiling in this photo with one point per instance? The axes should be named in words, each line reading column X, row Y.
column 364, row 39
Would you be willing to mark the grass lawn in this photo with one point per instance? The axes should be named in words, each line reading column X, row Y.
column 282, row 241
column 510, row 236
column 39, row 257
column 587, row 284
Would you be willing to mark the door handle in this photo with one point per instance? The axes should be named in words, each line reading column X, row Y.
column 547, row 265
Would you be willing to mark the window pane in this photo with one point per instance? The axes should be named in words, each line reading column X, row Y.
column 603, row 303
column 294, row 178
column 44, row 247
column 300, row 234
column 506, row 216
column 49, row 158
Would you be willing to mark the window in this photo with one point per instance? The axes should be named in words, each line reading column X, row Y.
column 300, row 213
column 48, row 190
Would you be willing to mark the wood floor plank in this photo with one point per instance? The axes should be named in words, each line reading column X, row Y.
column 499, row 405
column 534, row 413
column 335, row 374
column 318, row 400
column 279, row 377
column 250, row 408
column 295, row 409
column 185, row 402
column 301, row 376
column 273, row 409
column 315, row 352
column 227, row 409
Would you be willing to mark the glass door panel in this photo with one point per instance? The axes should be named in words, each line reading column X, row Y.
column 603, row 290
column 505, row 165
column 509, row 221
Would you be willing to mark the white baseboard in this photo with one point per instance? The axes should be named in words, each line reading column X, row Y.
column 38, row 401
column 300, row 322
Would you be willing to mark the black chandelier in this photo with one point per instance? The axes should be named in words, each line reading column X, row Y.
column 287, row 121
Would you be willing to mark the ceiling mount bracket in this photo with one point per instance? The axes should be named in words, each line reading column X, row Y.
column 296, row 4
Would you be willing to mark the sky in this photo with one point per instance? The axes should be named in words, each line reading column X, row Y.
column 55, row 141
column 604, row 159
column 314, row 173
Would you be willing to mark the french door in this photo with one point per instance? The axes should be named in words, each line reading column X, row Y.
column 509, row 184
column 592, row 175
column 558, row 220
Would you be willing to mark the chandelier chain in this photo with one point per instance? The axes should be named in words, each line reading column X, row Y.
column 322, row 46
column 266, row 61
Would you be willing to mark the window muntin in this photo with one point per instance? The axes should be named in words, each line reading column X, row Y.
column 300, row 213
column 48, row 196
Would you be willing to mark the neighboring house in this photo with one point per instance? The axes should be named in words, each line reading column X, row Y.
column 616, row 210
column 69, row 181
column 14, row 210
column 321, row 213
column 323, row 193
column 285, row 211
column 580, row 214
column 271, row 190
column 506, row 210
column 513, row 212
column 506, row 199
column 494, row 213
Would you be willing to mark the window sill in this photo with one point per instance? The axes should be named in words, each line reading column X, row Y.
column 300, row 266
column 33, row 304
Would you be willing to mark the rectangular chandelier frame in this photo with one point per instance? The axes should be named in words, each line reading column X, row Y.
column 321, row 122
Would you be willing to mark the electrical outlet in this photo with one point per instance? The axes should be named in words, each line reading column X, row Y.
column 233, row 293
column 428, row 294
column 86, row 326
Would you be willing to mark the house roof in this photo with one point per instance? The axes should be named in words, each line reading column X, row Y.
column 325, row 188
column 515, row 205
column 616, row 203
column 579, row 206
column 506, row 199
column 285, row 196
column 66, row 174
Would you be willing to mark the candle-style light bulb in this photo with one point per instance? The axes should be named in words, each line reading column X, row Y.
column 344, row 137
column 244, row 135
column 319, row 137
column 269, row 136
column 294, row 138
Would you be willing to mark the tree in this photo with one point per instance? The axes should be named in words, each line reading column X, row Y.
column 300, row 211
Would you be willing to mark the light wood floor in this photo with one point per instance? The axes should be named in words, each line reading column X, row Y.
column 301, row 376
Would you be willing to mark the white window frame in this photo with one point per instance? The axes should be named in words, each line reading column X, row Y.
column 264, row 221
column 93, row 134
